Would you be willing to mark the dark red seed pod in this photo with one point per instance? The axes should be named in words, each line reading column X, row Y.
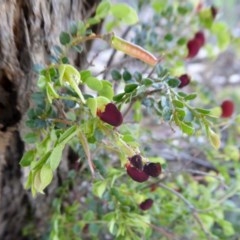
column 152, row 169
column 227, row 108
column 200, row 37
column 135, row 174
column 185, row 80
column 111, row 115
column 193, row 46
column 145, row 205
column 136, row 161
column 214, row 11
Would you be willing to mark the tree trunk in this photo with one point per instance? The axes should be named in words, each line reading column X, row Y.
column 28, row 31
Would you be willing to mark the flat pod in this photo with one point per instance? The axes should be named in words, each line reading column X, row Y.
column 145, row 205
column 227, row 107
column 111, row 115
column 133, row 50
column 135, row 174
column 184, row 79
column 152, row 169
column 136, row 161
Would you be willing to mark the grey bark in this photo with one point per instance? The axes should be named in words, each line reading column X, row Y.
column 28, row 31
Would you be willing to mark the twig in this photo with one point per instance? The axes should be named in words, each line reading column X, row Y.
column 164, row 232
column 189, row 205
column 64, row 121
column 128, row 108
column 85, row 146
column 199, row 221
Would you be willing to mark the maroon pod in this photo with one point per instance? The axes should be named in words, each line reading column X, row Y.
column 195, row 44
column 145, row 205
column 136, row 161
column 200, row 37
column 111, row 115
column 227, row 108
column 184, row 80
column 214, row 11
column 136, row 174
column 152, row 169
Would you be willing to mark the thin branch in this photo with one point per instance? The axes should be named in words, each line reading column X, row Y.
column 189, row 205
column 64, row 121
column 128, row 108
column 85, row 146
column 164, row 232
column 200, row 223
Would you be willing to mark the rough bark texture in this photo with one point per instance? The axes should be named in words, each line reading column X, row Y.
column 28, row 31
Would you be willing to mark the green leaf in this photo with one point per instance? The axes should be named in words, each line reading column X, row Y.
column 130, row 87
column 89, row 216
column 29, row 181
column 203, row 111
column 127, row 76
column 190, row 97
column 42, row 80
column 167, row 113
column 73, row 29
column 85, row 74
column 128, row 138
column 205, row 17
column 118, row 97
column 64, row 38
column 182, row 94
column 51, row 93
column 207, row 220
column 159, row 5
column 71, row 75
column 46, row 176
column 215, row 112
column 220, row 29
column 178, row 103
column 173, row 82
column 107, row 90
column 103, row 9
column 232, row 152
column 137, row 107
column 31, row 137
column 94, row 83
column 94, row 229
column 124, row 13
column 180, row 113
column 137, row 76
column 181, row 41
column 55, row 156
column 227, row 228
column 36, row 183
column 116, row 75
column 187, row 128
column 147, row 82
column 214, row 139
column 68, row 135
column 27, row 158
column 99, row 188
column 92, row 104
column 168, row 37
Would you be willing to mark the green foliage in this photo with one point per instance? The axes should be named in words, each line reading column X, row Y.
column 73, row 108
